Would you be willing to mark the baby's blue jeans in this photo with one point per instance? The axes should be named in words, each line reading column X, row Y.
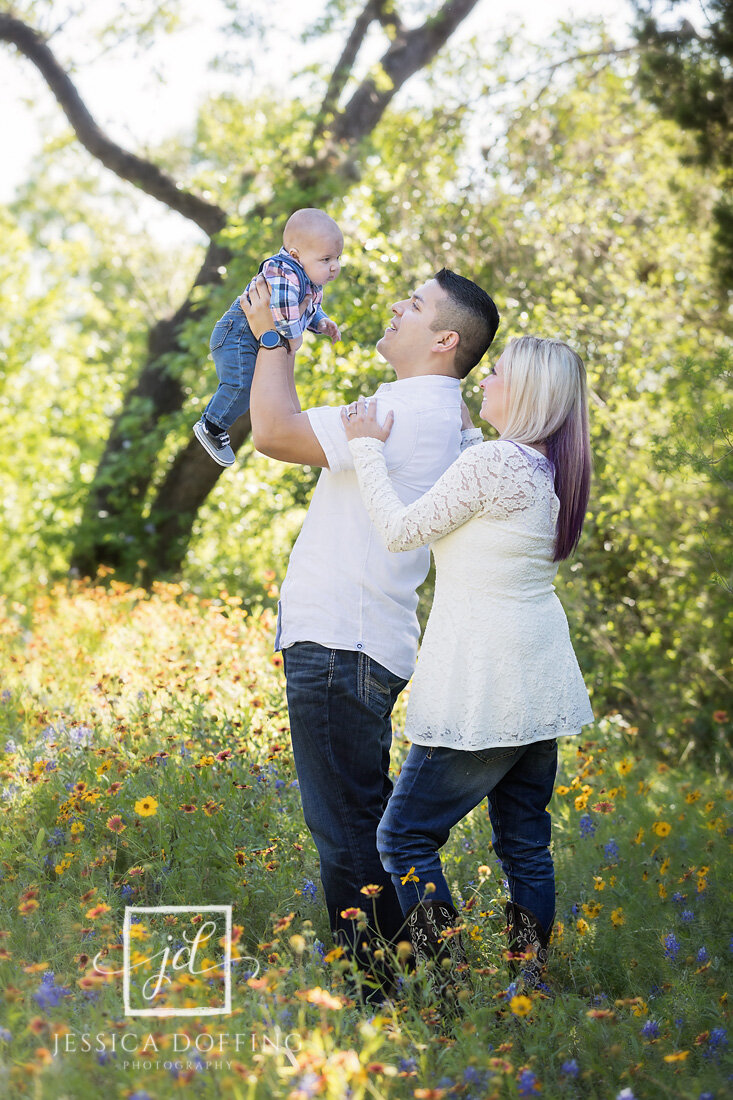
column 234, row 349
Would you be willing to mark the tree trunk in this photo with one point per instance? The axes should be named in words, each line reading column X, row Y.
column 128, row 463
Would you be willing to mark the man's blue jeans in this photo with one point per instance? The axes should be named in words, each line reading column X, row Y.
column 439, row 786
column 340, row 704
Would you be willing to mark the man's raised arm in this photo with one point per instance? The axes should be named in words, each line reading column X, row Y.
column 279, row 428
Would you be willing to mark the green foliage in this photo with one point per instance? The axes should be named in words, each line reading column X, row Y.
column 687, row 75
column 571, row 201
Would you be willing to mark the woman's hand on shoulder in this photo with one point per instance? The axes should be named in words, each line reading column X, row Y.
column 360, row 421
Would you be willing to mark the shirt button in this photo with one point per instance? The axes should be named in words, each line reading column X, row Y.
column 359, row 645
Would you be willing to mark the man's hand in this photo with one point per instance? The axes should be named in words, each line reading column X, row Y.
column 330, row 328
column 360, row 421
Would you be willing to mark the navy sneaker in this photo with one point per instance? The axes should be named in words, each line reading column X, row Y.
column 218, row 446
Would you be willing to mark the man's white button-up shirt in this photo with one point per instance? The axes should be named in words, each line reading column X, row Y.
column 343, row 588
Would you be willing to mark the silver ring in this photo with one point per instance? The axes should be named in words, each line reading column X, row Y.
column 349, row 414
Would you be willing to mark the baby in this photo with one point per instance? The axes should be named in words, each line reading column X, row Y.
column 310, row 257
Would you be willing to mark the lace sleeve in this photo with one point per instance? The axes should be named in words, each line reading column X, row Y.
column 470, row 437
column 467, row 488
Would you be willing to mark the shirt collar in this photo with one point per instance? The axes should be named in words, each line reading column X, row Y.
column 422, row 381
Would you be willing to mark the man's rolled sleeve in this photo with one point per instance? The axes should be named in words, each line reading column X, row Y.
column 325, row 420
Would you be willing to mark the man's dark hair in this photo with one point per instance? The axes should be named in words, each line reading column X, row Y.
column 471, row 313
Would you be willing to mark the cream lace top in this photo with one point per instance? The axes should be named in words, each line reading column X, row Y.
column 496, row 665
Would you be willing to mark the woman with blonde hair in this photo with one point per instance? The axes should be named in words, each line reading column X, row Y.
column 497, row 681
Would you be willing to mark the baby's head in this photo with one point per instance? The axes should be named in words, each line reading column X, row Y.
column 316, row 242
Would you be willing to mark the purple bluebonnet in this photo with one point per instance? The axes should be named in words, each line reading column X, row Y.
column 611, row 849
column 527, row 1083
column 671, row 946
column 5, row 1035
column 687, row 915
column 702, row 955
column 56, row 838
column 650, row 1029
column 48, row 994
column 570, row 1068
column 587, row 825
column 81, row 736
column 307, row 1085
column 309, row 889
column 718, row 1039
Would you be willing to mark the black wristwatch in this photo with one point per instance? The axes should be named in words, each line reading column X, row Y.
column 272, row 339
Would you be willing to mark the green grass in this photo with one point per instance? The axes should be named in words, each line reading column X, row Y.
column 114, row 699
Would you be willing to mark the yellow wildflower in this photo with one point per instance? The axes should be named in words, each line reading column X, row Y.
column 146, row 807
column 520, row 1005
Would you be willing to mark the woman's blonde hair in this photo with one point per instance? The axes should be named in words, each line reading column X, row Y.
column 546, row 402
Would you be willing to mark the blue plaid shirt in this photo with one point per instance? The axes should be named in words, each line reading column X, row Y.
column 286, row 297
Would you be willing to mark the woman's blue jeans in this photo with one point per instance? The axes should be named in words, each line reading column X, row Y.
column 340, row 704
column 439, row 786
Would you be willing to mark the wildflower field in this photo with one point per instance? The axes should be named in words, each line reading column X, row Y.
column 145, row 762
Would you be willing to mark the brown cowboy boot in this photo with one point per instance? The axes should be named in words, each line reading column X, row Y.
column 435, row 941
column 528, row 944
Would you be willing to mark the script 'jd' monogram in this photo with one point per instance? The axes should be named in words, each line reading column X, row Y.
column 187, row 954
column 183, row 958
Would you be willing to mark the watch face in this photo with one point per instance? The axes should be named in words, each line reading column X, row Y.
column 270, row 339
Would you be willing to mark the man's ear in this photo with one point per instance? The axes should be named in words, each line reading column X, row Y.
column 448, row 340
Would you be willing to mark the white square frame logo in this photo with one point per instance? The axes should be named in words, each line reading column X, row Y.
column 177, row 910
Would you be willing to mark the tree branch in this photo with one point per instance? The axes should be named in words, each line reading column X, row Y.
column 409, row 51
column 138, row 171
column 389, row 18
column 343, row 67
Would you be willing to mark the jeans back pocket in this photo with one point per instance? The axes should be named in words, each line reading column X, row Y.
column 222, row 329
